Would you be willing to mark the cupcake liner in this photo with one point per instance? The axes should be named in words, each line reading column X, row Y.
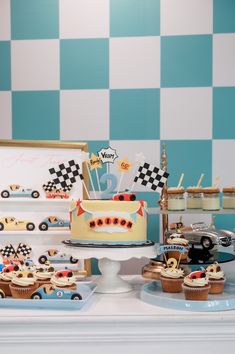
column 196, row 293
column 5, row 286
column 171, row 285
column 22, row 292
column 217, row 286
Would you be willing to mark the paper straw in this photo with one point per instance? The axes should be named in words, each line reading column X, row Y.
column 132, row 187
column 215, row 184
column 97, row 177
column 86, row 189
column 180, row 180
column 120, row 182
column 200, row 180
column 92, row 185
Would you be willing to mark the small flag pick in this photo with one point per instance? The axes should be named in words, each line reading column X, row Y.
column 123, row 166
column 85, row 158
column 95, row 162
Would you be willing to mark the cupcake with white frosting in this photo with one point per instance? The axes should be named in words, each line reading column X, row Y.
column 64, row 279
column 44, row 274
column 172, row 277
column 23, row 284
column 196, row 286
column 178, row 239
column 6, row 276
column 216, row 278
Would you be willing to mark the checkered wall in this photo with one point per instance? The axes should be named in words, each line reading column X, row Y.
column 127, row 73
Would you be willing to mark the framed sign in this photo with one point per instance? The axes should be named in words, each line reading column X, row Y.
column 38, row 180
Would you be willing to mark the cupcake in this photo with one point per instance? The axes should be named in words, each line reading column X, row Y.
column 44, row 274
column 216, row 278
column 171, row 277
column 23, row 284
column 196, row 286
column 6, row 276
column 64, row 279
column 178, row 240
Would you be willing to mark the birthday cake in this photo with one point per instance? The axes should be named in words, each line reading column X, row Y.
column 108, row 221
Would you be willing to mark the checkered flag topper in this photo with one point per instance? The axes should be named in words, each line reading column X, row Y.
column 151, row 177
column 50, row 186
column 7, row 251
column 66, row 174
column 22, row 250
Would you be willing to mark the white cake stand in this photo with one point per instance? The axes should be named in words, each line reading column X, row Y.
column 109, row 263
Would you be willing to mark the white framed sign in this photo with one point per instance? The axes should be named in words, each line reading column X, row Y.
column 31, row 165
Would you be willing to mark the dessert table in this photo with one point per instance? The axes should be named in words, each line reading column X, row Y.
column 116, row 323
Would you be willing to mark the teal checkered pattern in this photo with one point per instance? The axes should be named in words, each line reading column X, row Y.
column 127, row 73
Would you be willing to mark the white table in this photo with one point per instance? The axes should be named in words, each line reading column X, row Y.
column 116, row 323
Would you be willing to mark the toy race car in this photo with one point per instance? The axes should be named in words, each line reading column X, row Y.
column 57, row 194
column 17, row 191
column 2, row 294
column 206, row 236
column 53, row 222
column 55, row 256
column 50, row 292
column 9, row 223
column 127, row 197
column 10, row 268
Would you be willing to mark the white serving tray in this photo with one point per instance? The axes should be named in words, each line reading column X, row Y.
column 85, row 289
column 152, row 293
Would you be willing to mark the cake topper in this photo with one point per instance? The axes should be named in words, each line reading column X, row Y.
column 151, row 177
column 123, row 166
column 66, row 174
column 85, row 157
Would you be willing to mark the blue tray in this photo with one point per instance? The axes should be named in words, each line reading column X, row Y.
column 86, row 290
column 152, row 293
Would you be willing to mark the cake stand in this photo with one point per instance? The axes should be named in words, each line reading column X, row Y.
column 109, row 262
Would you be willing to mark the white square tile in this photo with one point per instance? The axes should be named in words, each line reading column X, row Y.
column 186, row 113
column 84, row 18
column 5, row 115
column 223, row 162
column 35, row 65
column 84, row 115
column 224, row 59
column 5, row 20
column 129, row 149
column 135, row 62
column 186, row 17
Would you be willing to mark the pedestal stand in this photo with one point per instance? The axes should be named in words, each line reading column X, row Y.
column 109, row 263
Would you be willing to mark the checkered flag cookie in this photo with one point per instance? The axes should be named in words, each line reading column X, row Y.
column 8, row 251
column 49, row 186
column 151, row 177
column 65, row 174
column 23, row 250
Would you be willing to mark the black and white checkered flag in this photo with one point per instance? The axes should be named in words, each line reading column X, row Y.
column 151, row 177
column 23, row 250
column 49, row 186
column 8, row 251
column 65, row 174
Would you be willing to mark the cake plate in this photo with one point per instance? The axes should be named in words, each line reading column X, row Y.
column 109, row 262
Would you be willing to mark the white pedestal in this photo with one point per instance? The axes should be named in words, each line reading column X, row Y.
column 109, row 264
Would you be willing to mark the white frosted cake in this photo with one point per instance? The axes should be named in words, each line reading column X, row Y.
column 108, row 221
